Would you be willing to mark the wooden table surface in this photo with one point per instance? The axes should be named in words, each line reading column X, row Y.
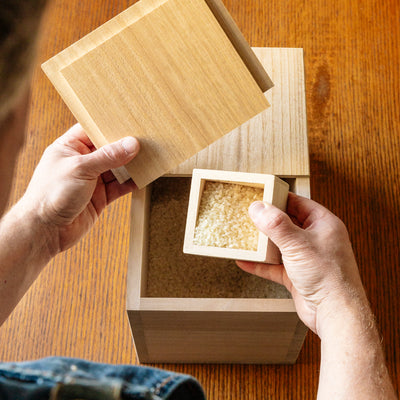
column 77, row 306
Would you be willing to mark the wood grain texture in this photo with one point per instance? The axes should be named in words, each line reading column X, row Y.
column 164, row 71
column 273, row 142
column 217, row 337
column 351, row 56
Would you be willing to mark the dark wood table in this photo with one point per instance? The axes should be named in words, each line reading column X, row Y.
column 77, row 306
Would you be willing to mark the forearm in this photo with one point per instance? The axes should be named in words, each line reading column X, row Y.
column 24, row 251
column 352, row 359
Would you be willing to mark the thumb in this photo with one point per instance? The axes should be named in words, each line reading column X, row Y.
column 110, row 156
column 274, row 223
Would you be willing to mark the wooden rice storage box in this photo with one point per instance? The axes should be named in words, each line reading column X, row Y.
column 190, row 309
column 187, row 308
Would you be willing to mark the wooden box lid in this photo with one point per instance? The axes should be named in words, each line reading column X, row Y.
column 273, row 142
column 176, row 74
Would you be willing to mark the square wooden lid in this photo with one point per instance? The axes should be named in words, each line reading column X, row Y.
column 171, row 73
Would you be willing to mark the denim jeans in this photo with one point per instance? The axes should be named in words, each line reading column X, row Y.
column 59, row 378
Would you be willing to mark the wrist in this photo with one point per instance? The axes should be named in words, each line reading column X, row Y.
column 347, row 311
column 352, row 357
column 42, row 234
column 25, row 248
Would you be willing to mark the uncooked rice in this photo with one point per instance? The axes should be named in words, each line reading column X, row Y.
column 171, row 273
column 223, row 219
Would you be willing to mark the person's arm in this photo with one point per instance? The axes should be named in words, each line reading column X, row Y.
column 352, row 360
column 69, row 189
column 320, row 271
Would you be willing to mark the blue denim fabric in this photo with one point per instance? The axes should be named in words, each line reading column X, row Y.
column 59, row 378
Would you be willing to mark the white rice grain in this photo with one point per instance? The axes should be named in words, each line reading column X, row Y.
column 223, row 219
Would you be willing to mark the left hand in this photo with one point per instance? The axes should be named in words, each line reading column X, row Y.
column 72, row 184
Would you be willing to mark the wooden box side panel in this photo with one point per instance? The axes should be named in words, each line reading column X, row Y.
column 138, row 249
column 297, row 342
column 216, row 337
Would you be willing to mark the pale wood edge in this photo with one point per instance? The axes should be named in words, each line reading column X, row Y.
column 70, row 98
column 218, row 252
column 280, row 193
column 304, row 106
column 138, row 246
column 240, row 44
column 137, row 262
column 193, row 209
column 297, row 343
column 217, row 304
column 138, row 337
column 279, row 199
column 121, row 174
column 302, row 187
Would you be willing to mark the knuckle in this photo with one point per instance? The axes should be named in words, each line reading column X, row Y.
column 50, row 149
column 275, row 220
column 337, row 226
column 110, row 153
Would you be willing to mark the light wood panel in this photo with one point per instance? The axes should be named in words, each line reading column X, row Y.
column 215, row 337
column 139, row 240
column 165, row 72
column 273, row 142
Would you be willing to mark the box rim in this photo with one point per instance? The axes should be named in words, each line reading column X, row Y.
column 136, row 302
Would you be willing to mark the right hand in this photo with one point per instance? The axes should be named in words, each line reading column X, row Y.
column 319, row 268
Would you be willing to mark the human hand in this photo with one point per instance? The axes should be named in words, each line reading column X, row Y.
column 319, row 268
column 72, row 184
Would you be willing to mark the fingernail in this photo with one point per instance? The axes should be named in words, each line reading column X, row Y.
column 256, row 208
column 130, row 144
